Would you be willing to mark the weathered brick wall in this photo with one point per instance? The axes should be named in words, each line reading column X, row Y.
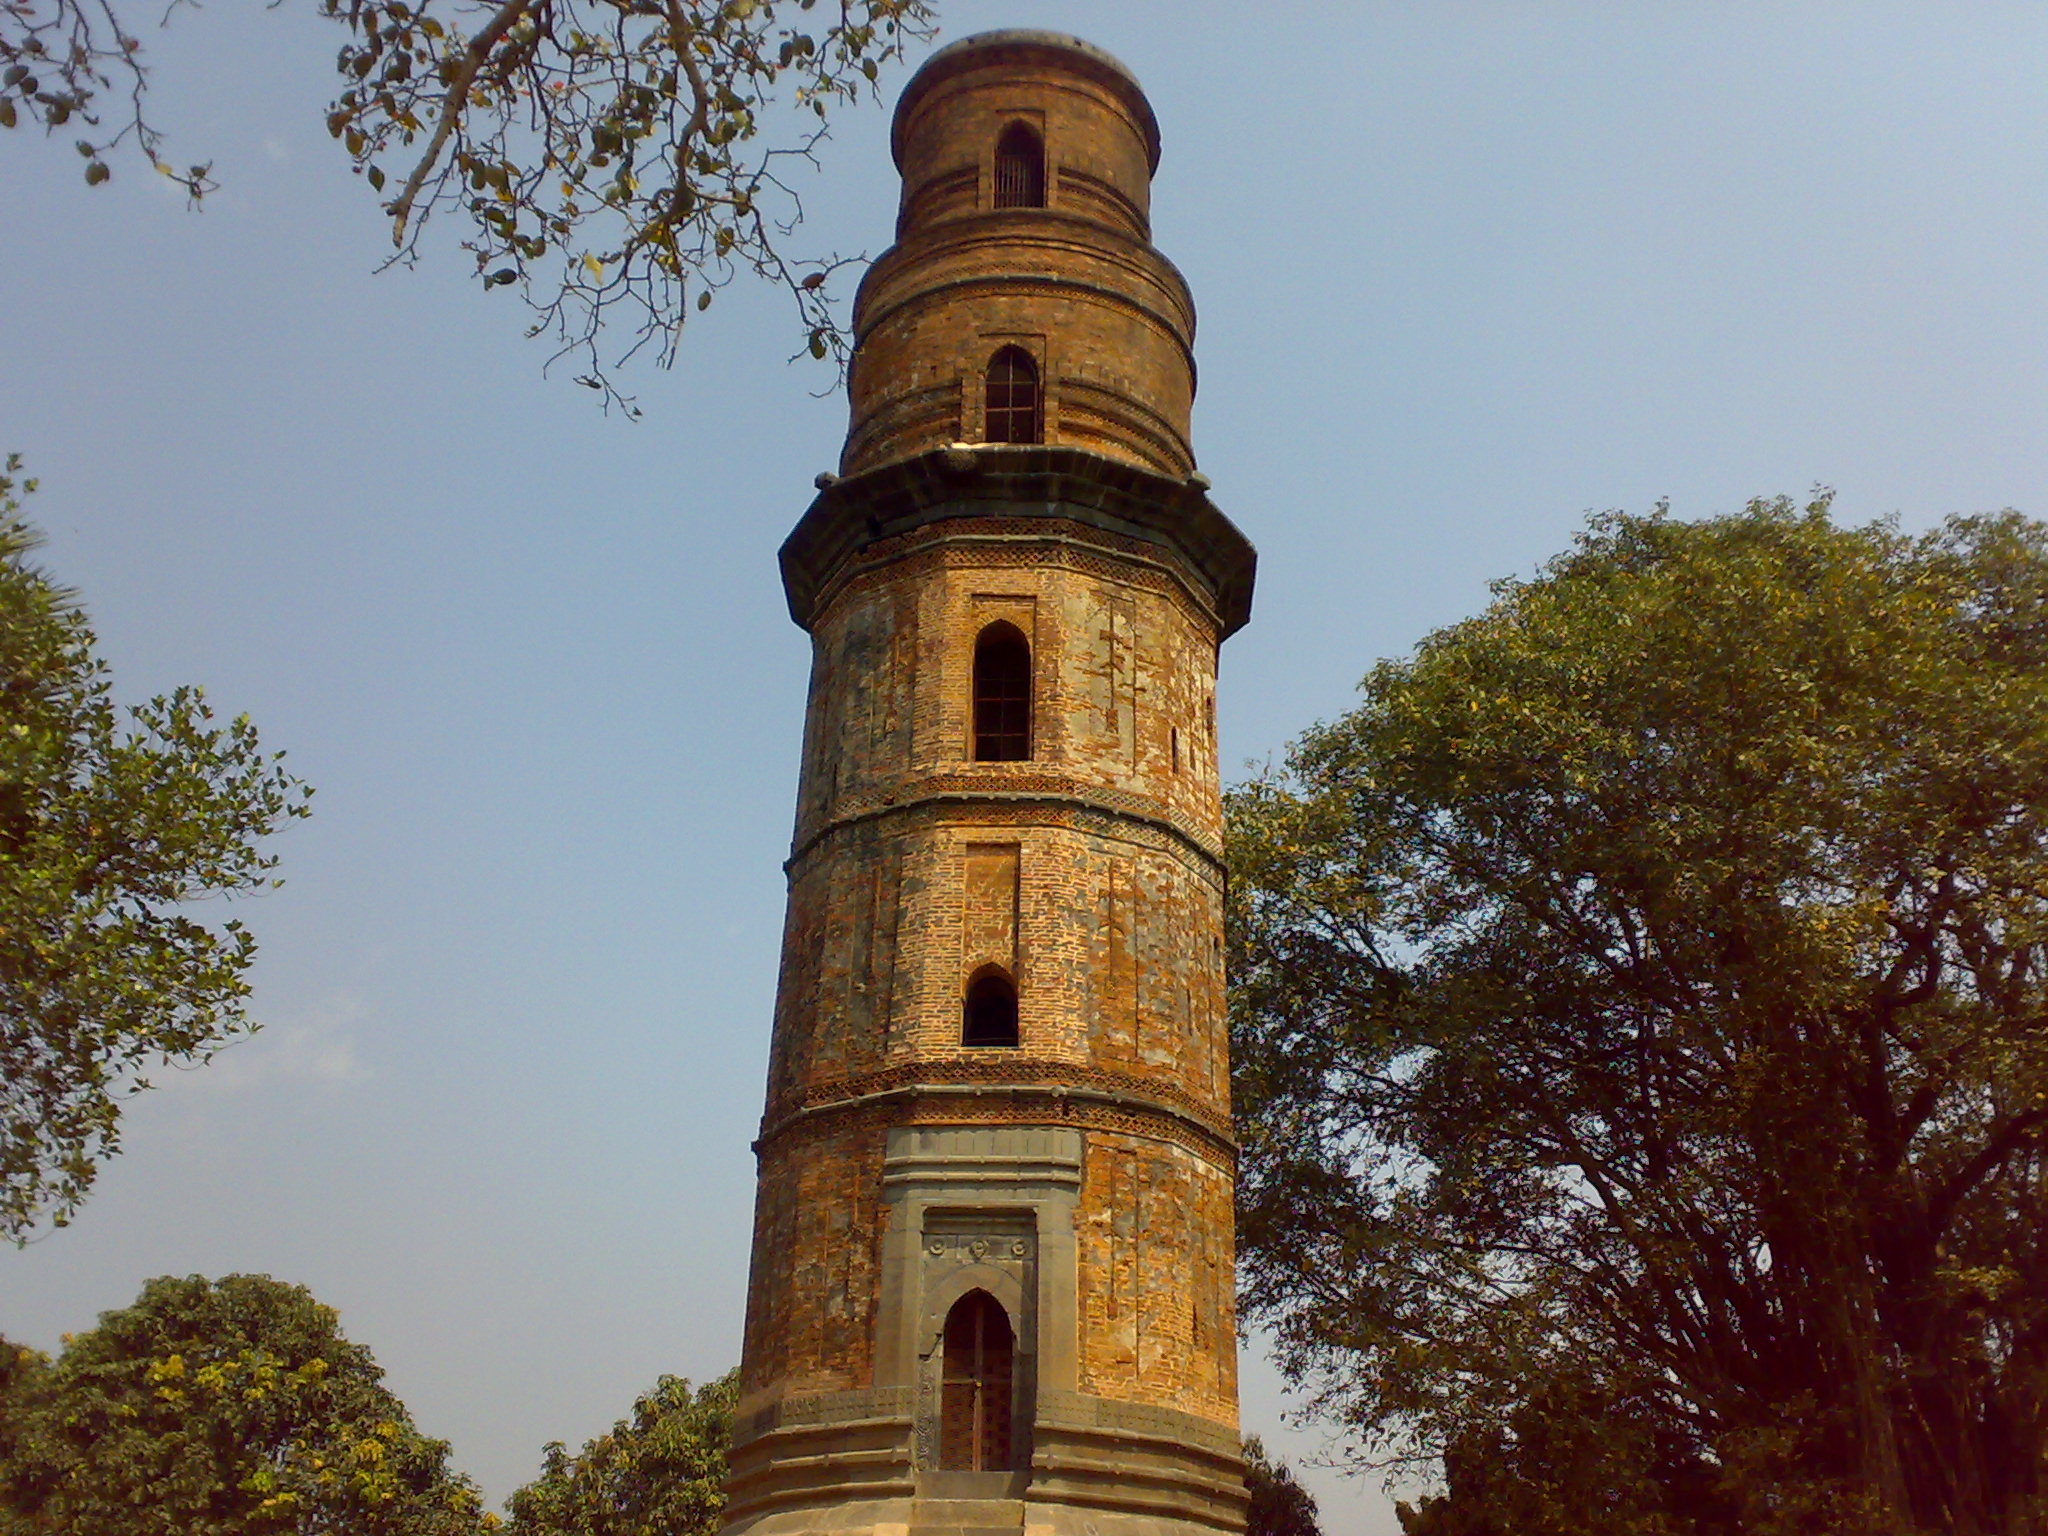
column 1089, row 872
column 1114, row 908
column 1124, row 672
column 1098, row 132
column 817, row 1231
column 1106, row 929
column 1158, row 1291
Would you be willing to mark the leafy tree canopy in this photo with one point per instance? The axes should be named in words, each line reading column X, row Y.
column 660, row 1473
column 603, row 153
column 219, row 1408
column 108, row 830
column 1280, row 1505
column 1642, row 1037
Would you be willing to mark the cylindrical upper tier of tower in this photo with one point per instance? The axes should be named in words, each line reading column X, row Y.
column 1084, row 106
column 1023, row 300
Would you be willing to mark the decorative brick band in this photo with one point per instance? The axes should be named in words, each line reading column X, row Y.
column 815, row 1408
column 1060, row 250
column 1072, row 809
column 976, row 1071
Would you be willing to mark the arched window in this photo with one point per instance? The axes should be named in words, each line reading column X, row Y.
column 1002, row 695
column 1020, row 168
column 1012, row 414
column 976, row 1386
column 990, row 1015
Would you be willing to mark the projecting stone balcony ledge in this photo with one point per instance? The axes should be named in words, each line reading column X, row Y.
column 1105, row 497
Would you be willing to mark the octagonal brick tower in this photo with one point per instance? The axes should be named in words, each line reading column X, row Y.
column 992, row 1279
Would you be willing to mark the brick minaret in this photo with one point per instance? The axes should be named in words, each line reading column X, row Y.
column 992, row 1271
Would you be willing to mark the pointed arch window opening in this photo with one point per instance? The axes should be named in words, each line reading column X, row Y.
column 1020, row 168
column 1012, row 411
column 989, row 1014
column 977, row 1386
column 1002, row 695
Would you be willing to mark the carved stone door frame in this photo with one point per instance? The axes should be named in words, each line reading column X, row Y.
column 986, row 1208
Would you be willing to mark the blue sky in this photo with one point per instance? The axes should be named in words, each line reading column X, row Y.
column 1466, row 271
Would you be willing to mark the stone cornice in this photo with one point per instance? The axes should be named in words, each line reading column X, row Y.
column 1018, row 481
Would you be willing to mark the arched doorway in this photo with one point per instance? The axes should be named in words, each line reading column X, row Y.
column 977, row 1386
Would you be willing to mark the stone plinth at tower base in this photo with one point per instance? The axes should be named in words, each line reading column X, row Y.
column 853, row 1475
column 1098, row 1468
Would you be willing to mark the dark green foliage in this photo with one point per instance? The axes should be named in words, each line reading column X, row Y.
column 661, row 1473
column 1280, row 1506
column 1641, row 1017
column 107, row 830
column 219, row 1408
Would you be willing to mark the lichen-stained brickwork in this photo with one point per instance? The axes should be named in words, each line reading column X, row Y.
column 1157, row 1293
column 916, row 865
column 817, row 1229
column 1089, row 873
column 1108, row 938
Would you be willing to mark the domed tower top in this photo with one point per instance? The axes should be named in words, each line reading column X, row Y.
column 1023, row 301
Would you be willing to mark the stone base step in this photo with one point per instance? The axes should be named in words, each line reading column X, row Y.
column 966, row 1517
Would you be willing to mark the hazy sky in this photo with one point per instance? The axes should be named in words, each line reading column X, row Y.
column 1465, row 272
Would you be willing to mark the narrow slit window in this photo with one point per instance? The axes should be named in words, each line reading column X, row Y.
column 977, row 1386
column 1002, row 695
column 1012, row 414
column 991, row 1010
column 1020, row 168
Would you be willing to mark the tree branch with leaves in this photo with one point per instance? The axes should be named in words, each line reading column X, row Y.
column 617, row 162
column 110, row 830
column 61, row 61
column 612, row 158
